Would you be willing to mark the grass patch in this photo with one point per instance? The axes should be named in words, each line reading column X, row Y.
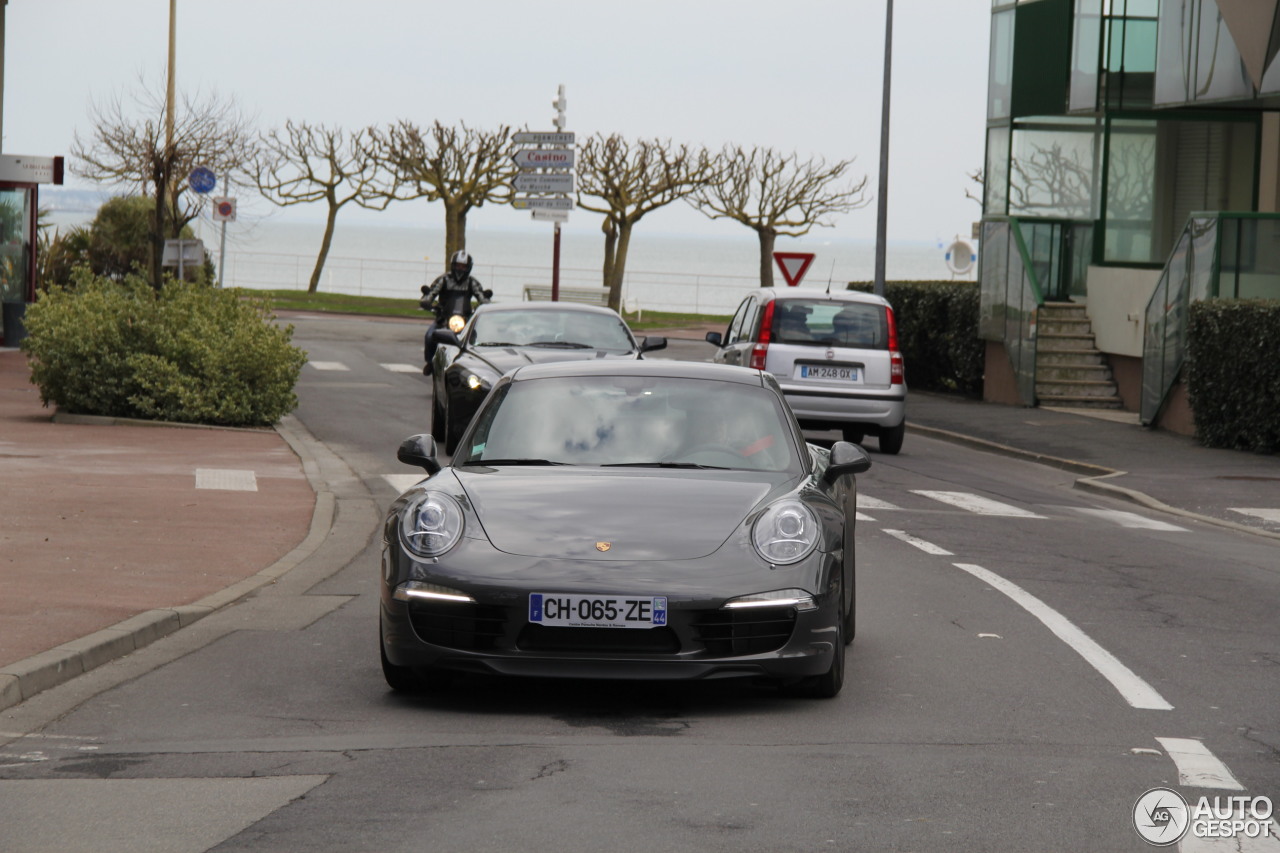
column 341, row 303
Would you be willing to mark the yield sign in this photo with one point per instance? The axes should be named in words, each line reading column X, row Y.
column 793, row 265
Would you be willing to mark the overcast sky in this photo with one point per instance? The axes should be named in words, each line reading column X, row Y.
column 802, row 75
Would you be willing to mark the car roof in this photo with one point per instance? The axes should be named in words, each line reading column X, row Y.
column 776, row 293
column 645, row 367
column 492, row 307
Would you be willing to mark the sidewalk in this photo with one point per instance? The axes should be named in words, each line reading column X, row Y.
column 117, row 533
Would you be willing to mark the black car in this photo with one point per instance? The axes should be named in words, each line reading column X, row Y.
column 501, row 337
column 629, row 520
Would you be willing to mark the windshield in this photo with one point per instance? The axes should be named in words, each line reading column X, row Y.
column 830, row 323
column 571, row 329
column 640, row 421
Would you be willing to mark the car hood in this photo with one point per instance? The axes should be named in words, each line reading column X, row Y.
column 505, row 359
column 642, row 514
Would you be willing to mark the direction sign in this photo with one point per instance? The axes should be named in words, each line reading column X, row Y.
column 793, row 265
column 550, row 215
column 551, row 182
column 544, row 158
column 542, row 203
column 526, row 137
column 202, row 180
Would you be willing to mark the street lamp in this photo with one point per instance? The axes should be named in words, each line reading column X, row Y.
column 882, row 197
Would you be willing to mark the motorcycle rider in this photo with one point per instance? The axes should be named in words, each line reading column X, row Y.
column 458, row 278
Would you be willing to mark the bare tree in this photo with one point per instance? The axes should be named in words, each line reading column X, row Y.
column 128, row 147
column 629, row 181
column 979, row 178
column 774, row 194
column 307, row 163
column 1051, row 181
column 461, row 167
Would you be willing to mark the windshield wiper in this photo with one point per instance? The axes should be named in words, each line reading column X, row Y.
column 514, row 462
column 565, row 344
column 663, row 465
column 497, row 344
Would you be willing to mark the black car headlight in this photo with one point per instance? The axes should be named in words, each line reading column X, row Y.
column 431, row 524
column 797, row 598
column 476, row 382
column 786, row 532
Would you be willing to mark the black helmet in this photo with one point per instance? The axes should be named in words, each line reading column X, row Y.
column 460, row 265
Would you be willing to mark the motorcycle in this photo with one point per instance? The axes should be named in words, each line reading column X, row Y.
column 452, row 311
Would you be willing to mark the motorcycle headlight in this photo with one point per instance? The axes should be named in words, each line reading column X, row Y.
column 431, row 524
column 456, row 322
column 785, row 533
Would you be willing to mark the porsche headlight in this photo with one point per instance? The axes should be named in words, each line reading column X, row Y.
column 474, row 382
column 797, row 598
column 431, row 524
column 456, row 322
column 785, row 533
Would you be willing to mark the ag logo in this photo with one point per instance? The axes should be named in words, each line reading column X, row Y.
column 1161, row 817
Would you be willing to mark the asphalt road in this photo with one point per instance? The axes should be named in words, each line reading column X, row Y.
column 972, row 719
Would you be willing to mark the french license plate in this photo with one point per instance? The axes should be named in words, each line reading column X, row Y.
column 821, row 371
column 597, row 611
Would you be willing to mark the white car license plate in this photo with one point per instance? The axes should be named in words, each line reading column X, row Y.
column 820, row 371
column 597, row 611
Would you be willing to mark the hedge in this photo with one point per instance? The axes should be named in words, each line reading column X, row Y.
column 1233, row 373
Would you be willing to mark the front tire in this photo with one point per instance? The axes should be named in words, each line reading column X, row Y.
column 437, row 420
column 853, row 435
column 827, row 685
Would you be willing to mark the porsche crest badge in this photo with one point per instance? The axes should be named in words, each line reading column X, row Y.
column 603, row 546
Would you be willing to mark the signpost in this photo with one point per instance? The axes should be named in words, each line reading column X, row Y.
column 224, row 211
column 544, row 182
column 547, row 173
column 535, row 202
column 793, row 265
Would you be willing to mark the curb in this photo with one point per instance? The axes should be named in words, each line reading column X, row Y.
column 23, row 679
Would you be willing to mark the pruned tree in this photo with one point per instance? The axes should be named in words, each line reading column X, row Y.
column 778, row 194
column 628, row 181
column 305, row 164
column 130, row 147
column 978, row 177
column 461, row 167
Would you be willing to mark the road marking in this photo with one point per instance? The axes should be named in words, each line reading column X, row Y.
column 977, row 504
column 927, row 547
column 868, row 502
column 328, row 365
column 403, row 368
column 403, row 482
column 1197, row 766
column 860, row 517
column 1129, row 519
column 227, row 479
column 1135, row 691
column 1258, row 512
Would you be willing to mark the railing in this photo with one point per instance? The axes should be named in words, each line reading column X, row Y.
column 1219, row 255
column 657, row 291
column 1010, row 299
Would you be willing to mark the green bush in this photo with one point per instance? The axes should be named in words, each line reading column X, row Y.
column 1232, row 374
column 937, row 333
column 190, row 353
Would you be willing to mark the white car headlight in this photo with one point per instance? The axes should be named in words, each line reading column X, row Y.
column 785, row 533
column 431, row 524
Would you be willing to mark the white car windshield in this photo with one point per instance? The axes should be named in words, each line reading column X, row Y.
column 641, row 421
column 570, row 329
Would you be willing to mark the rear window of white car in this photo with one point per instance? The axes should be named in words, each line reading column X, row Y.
column 819, row 322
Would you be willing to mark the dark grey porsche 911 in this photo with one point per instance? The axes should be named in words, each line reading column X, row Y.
column 624, row 520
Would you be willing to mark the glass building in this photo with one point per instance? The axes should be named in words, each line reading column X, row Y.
column 1116, row 129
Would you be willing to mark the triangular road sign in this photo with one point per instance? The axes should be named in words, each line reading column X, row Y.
column 793, row 265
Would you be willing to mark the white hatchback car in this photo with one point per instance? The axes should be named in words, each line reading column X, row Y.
column 834, row 354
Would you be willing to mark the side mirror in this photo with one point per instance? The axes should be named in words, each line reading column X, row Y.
column 846, row 458
column 714, row 338
column 419, row 450
column 649, row 344
column 442, row 335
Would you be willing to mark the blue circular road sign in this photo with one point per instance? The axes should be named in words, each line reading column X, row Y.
column 202, row 180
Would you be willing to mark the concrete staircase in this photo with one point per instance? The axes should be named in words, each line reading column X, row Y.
column 1070, row 370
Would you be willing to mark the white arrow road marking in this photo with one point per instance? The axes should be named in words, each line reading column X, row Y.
column 1135, row 691
column 927, row 547
column 1129, row 519
column 977, row 504
column 403, row 368
column 227, row 479
column 1197, row 766
column 328, row 365
column 403, row 482
column 1262, row 513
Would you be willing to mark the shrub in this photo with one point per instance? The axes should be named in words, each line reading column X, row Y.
column 1232, row 375
column 190, row 353
column 937, row 333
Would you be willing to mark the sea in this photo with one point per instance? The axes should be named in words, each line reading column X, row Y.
column 696, row 274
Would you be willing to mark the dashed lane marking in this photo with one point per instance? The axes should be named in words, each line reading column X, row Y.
column 1197, row 766
column 927, row 547
column 977, row 504
column 1129, row 519
column 868, row 502
column 328, row 365
column 227, row 479
column 403, row 368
